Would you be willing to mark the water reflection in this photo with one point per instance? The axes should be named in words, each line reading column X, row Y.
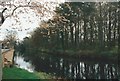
column 74, row 69
column 21, row 63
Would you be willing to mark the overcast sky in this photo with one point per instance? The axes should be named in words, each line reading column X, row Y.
column 22, row 28
column 27, row 21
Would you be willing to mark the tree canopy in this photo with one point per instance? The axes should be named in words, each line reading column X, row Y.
column 92, row 27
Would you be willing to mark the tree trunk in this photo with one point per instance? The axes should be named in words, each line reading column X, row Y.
column 76, row 35
column 100, row 30
column 71, row 31
column 85, row 33
column 109, row 30
column 119, row 37
column 0, row 63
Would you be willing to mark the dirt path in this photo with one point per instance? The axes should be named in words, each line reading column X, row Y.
column 9, row 55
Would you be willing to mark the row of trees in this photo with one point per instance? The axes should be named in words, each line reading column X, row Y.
column 79, row 26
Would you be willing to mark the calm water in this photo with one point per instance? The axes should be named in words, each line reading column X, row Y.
column 70, row 68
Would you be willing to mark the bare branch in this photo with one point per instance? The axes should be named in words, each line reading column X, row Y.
column 22, row 6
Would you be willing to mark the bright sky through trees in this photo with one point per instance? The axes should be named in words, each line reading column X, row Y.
column 24, row 19
column 23, row 28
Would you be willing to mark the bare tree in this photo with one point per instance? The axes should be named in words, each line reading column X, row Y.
column 10, row 39
column 43, row 10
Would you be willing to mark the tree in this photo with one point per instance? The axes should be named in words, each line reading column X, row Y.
column 10, row 39
column 17, row 7
column 2, row 17
column 118, row 27
column 79, row 27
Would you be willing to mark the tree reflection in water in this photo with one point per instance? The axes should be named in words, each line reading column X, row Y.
column 75, row 69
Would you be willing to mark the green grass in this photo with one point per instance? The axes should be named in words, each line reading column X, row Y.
column 17, row 73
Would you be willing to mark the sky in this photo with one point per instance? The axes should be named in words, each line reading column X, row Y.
column 24, row 27
column 27, row 21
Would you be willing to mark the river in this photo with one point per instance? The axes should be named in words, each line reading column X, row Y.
column 70, row 68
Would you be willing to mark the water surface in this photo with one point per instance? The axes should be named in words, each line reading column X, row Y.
column 70, row 68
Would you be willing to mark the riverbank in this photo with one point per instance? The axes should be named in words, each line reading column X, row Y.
column 17, row 73
column 107, row 56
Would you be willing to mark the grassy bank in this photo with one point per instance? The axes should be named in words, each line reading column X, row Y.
column 17, row 73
